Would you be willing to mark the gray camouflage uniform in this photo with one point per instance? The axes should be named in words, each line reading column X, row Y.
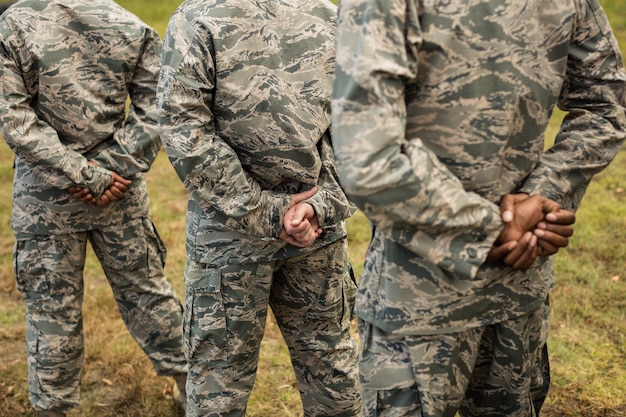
column 67, row 68
column 447, row 103
column 244, row 113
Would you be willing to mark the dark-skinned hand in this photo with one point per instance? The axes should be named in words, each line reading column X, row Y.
column 117, row 187
column 516, row 246
column 553, row 232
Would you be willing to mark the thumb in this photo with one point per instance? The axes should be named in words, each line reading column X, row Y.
column 507, row 205
column 549, row 206
column 299, row 213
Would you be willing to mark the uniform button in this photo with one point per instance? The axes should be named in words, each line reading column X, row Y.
column 471, row 252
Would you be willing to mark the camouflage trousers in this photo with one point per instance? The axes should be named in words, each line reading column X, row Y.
column 49, row 274
column 493, row 371
column 311, row 296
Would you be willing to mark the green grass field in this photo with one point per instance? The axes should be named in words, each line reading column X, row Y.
column 588, row 328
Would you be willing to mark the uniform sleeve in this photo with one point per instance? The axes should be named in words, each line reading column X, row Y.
column 594, row 95
column 330, row 202
column 399, row 183
column 32, row 139
column 137, row 143
column 208, row 167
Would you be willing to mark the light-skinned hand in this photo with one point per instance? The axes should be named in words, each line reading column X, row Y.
column 300, row 223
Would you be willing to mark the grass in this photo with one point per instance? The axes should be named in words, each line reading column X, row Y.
column 588, row 333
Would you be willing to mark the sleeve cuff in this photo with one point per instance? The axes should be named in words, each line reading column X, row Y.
column 97, row 179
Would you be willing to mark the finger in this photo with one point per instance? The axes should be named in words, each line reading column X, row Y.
column 110, row 196
column 522, row 254
column 298, row 214
column 506, row 208
column 565, row 231
column 562, row 230
column 83, row 195
column 507, row 205
column 299, row 197
column 303, row 234
column 290, row 227
column 498, row 252
column 115, row 177
column 314, row 221
column 104, row 199
column 529, row 256
column 307, row 236
column 546, row 248
column 290, row 239
column 551, row 238
column 88, row 198
column 549, row 247
column 116, row 192
column 561, row 217
column 121, row 186
column 297, row 231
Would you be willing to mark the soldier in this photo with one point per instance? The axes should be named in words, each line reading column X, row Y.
column 244, row 114
column 447, row 104
column 67, row 68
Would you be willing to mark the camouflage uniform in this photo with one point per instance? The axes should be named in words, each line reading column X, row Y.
column 244, row 113
column 447, row 103
column 68, row 67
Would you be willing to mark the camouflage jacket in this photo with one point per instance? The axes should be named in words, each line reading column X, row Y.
column 244, row 114
column 67, row 69
column 447, row 103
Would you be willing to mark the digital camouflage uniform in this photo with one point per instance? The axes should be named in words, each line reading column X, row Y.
column 440, row 109
column 244, row 113
column 67, row 69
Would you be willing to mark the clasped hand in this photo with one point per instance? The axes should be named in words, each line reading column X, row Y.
column 300, row 224
column 117, row 187
column 534, row 226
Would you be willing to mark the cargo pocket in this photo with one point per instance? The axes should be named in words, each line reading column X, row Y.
column 31, row 277
column 204, row 321
column 32, row 348
column 155, row 243
column 349, row 294
column 386, row 374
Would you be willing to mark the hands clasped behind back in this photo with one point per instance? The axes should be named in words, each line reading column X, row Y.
column 534, row 226
column 118, row 186
column 300, row 224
